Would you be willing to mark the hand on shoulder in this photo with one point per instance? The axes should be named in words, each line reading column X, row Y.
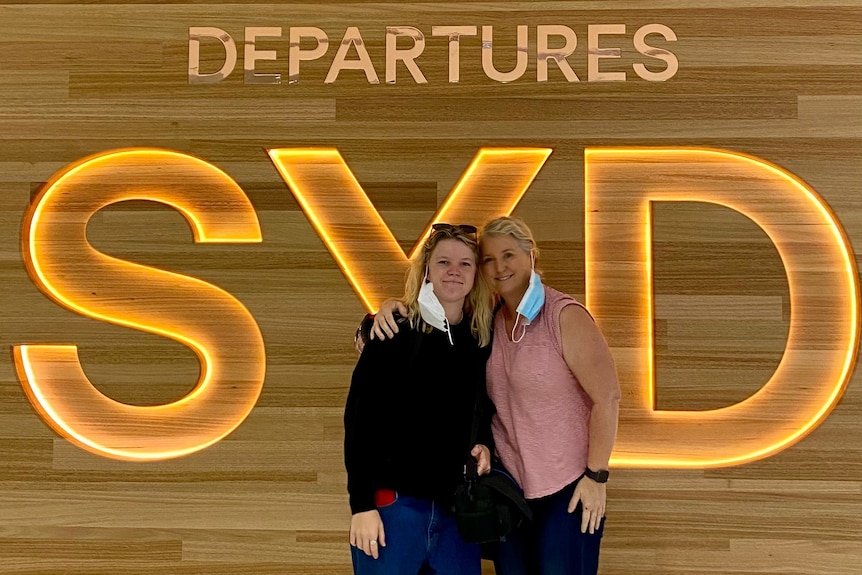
column 385, row 324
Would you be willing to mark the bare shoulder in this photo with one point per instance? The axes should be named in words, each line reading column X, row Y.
column 587, row 353
column 579, row 330
column 575, row 313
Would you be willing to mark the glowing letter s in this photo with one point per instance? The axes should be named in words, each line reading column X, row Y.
column 621, row 185
column 211, row 322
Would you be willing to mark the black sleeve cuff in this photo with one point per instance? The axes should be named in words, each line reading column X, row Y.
column 362, row 501
column 485, row 413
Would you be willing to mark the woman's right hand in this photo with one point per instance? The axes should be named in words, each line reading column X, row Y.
column 366, row 532
column 483, row 459
column 385, row 326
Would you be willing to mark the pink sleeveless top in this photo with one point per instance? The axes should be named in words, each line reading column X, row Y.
column 543, row 415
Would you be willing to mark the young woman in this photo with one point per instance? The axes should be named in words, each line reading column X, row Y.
column 553, row 382
column 409, row 415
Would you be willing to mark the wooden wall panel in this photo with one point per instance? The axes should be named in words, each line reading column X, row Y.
column 780, row 80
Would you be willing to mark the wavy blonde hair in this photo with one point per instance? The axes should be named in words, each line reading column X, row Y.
column 515, row 227
column 478, row 304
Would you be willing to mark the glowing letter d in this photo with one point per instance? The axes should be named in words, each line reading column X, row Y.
column 621, row 185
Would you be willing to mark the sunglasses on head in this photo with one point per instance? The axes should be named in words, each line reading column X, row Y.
column 452, row 228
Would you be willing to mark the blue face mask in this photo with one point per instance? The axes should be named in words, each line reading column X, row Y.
column 530, row 305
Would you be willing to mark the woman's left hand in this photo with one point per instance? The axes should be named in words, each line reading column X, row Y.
column 593, row 497
column 483, row 457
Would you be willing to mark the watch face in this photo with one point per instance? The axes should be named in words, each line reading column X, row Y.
column 598, row 476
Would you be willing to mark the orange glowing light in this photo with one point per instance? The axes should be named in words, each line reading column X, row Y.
column 821, row 350
column 358, row 238
column 217, row 327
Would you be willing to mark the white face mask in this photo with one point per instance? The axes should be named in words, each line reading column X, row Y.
column 431, row 309
column 531, row 302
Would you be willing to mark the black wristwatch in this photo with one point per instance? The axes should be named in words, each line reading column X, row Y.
column 600, row 476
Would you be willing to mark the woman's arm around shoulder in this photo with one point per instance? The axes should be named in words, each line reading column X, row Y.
column 385, row 324
column 382, row 325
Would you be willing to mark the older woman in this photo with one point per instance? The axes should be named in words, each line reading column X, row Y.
column 409, row 415
column 553, row 382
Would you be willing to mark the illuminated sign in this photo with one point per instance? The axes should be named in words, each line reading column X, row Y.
column 621, row 184
column 604, row 42
column 64, row 265
column 355, row 234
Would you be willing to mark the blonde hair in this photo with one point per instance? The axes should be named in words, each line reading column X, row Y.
column 478, row 304
column 520, row 231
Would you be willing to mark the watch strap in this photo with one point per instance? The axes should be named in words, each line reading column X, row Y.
column 600, row 476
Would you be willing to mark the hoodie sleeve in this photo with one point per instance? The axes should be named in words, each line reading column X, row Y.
column 485, row 411
column 361, row 429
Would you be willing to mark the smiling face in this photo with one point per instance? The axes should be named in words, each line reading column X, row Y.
column 452, row 271
column 506, row 266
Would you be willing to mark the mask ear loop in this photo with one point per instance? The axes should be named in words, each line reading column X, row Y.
column 445, row 320
column 517, row 315
column 514, row 327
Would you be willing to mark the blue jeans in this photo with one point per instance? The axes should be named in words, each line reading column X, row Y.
column 421, row 538
column 551, row 544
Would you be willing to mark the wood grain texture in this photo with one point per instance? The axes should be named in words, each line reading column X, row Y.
column 780, row 80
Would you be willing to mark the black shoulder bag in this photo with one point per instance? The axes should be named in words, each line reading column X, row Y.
column 488, row 507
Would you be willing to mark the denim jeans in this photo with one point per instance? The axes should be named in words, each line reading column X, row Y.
column 551, row 544
column 421, row 539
